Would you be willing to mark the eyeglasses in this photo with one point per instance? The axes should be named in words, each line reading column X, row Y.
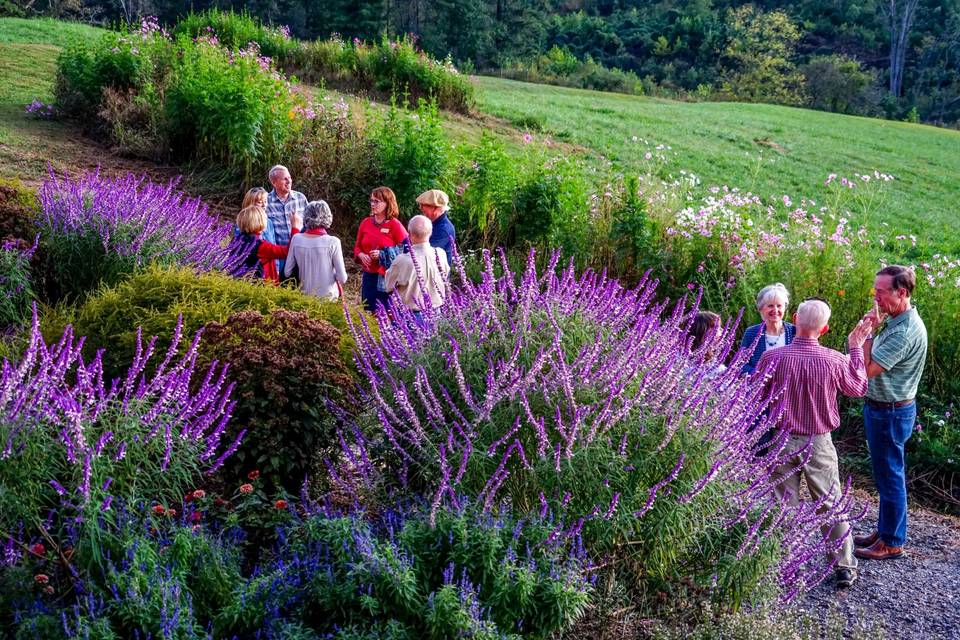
column 375, row 201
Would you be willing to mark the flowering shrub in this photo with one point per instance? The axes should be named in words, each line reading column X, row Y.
column 191, row 96
column 571, row 395
column 395, row 575
column 288, row 370
column 73, row 443
column 41, row 110
column 236, row 31
column 96, row 229
column 336, row 160
column 229, row 107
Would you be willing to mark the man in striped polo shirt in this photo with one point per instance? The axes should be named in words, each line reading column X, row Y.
column 894, row 359
column 807, row 377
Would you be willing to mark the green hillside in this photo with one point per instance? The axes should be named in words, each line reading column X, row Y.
column 721, row 142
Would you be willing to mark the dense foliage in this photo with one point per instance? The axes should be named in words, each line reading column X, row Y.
column 291, row 381
column 157, row 298
column 181, row 98
column 674, row 48
column 569, row 394
column 95, row 229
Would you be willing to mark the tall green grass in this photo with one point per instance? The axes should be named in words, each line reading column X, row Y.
column 771, row 150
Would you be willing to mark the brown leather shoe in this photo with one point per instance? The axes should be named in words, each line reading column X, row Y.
column 866, row 541
column 879, row 550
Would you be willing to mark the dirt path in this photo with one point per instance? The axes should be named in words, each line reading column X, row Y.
column 916, row 597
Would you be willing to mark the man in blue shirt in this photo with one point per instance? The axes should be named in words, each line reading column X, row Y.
column 433, row 204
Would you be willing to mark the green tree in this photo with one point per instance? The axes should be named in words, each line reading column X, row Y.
column 838, row 83
column 760, row 50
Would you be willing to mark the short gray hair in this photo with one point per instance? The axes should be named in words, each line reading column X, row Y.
column 420, row 226
column 775, row 290
column 813, row 315
column 316, row 215
column 274, row 170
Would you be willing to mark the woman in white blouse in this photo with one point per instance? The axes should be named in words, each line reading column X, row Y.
column 315, row 255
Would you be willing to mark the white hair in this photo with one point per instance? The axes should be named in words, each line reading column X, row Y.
column 274, row 170
column 775, row 291
column 420, row 226
column 813, row 315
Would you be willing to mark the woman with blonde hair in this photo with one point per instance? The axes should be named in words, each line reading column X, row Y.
column 261, row 254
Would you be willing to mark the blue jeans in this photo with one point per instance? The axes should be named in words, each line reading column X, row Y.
column 371, row 295
column 887, row 432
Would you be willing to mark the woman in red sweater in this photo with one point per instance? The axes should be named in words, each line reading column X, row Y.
column 381, row 231
column 262, row 257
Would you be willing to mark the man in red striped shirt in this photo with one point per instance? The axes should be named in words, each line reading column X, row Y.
column 807, row 377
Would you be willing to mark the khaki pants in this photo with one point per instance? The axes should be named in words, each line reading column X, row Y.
column 823, row 478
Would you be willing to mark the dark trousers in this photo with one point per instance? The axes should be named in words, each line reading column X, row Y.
column 370, row 295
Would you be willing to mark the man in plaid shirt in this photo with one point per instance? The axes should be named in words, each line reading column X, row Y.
column 807, row 377
column 281, row 203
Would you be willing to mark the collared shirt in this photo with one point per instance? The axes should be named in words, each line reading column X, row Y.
column 428, row 275
column 443, row 235
column 901, row 349
column 810, row 376
column 278, row 213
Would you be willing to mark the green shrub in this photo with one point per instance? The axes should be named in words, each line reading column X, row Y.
column 387, row 68
column 191, row 99
column 412, row 150
column 287, row 368
column 236, row 31
column 156, row 297
column 228, row 108
column 16, row 290
column 18, row 211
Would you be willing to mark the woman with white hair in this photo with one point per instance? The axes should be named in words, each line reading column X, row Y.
column 774, row 332
column 316, row 255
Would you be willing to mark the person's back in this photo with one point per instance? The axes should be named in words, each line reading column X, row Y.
column 420, row 277
column 812, row 375
column 316, row 256
column 319, row 261
column 423, row 270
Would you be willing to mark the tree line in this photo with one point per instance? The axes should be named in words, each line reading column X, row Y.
column 891, row 58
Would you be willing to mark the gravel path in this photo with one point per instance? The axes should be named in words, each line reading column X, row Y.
column 916, row 597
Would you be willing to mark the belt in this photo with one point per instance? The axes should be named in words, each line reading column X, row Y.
column 888, row 405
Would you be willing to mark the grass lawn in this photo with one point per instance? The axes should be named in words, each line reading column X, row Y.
column 721, row 142
column 43, row 31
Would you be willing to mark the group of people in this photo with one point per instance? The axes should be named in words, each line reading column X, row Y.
column 286, row 236
column 886, row 352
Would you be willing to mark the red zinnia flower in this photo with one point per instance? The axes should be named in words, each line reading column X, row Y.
column 171, row 513
column 195, row 516
column 253, row 475
column 48, row 589
column 199, row 494
column 280, row 504
column 159, row 509
column 246, row 488
column 38, row 549
column 41, row 578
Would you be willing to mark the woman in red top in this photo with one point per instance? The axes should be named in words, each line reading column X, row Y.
column 380, row 231
column 262, row 256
